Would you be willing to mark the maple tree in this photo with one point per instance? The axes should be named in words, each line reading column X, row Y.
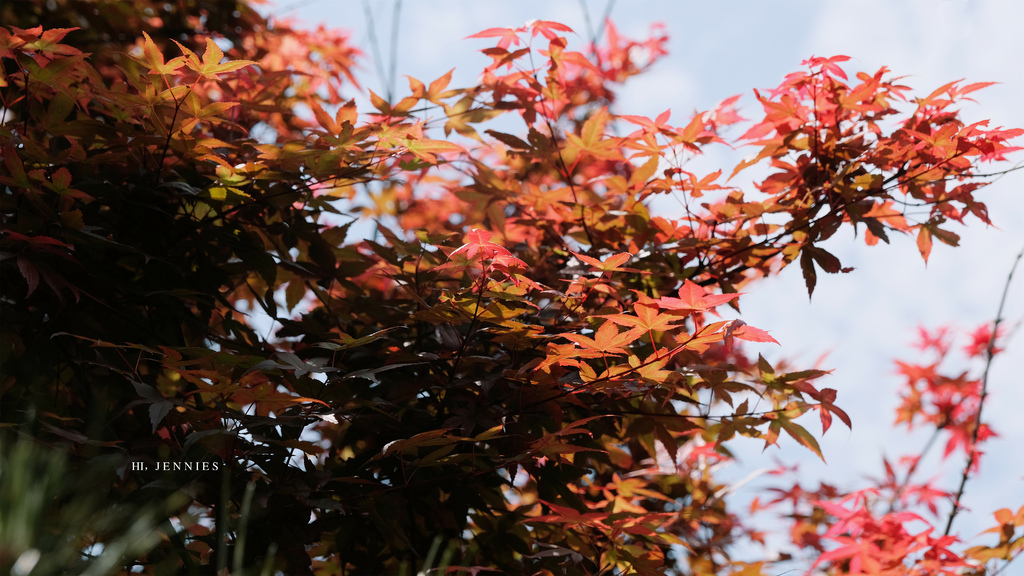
column 524, row 370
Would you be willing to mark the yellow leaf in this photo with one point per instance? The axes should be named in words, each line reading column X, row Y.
column 642, row 174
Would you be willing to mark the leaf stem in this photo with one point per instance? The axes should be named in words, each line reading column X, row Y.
column 170, row 133
column 485, row 281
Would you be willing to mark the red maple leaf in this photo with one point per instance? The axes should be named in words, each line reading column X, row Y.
column 694, row 298
column 478, row 242
column 507, row 35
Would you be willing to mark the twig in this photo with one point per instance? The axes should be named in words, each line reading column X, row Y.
column 485, row 282
column 392, row 76
column 565, row 169
column 989, row 352
column 595, row 35
column 1003, row 567
column 604, row 19
column 27, row 106
column 375, row 48
column 170, row 134
column 586, row 20
column 913, row 468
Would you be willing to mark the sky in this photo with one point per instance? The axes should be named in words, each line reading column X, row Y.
column 862, row 320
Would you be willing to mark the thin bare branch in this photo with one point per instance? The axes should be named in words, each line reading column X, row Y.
column 378, row 59
column 989, row 353
column 393, row 65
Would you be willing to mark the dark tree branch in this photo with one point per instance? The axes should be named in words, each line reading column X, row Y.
column 989, row 352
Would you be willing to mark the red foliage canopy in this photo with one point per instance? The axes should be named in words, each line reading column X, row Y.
column 524, row 365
